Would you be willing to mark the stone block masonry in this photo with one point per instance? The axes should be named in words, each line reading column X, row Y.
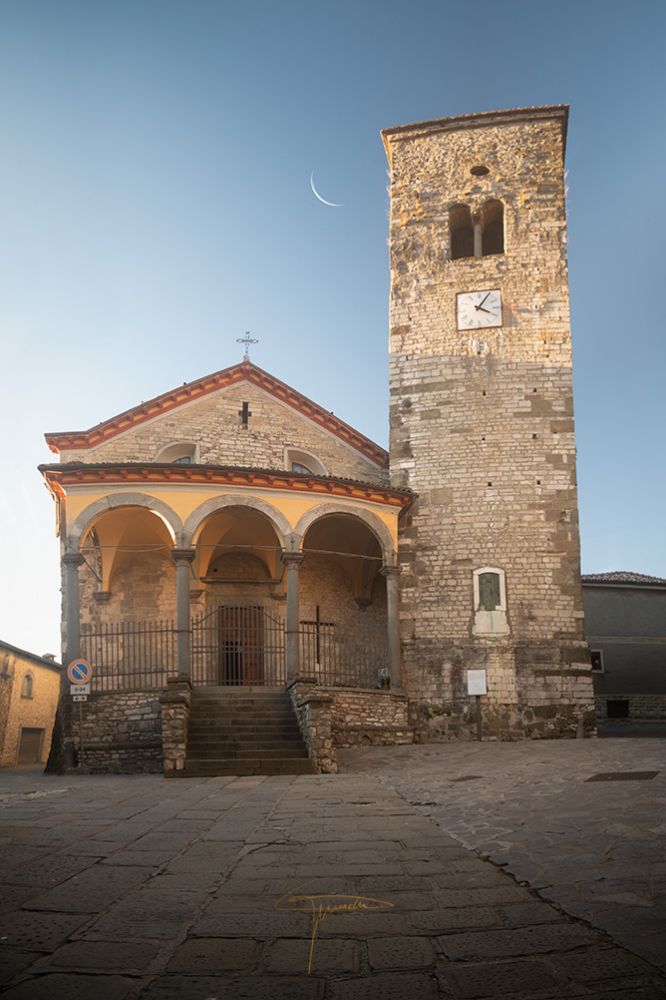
column 121, row 732
column 482, row 429
column 332, row 718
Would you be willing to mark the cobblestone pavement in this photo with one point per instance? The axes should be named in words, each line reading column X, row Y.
column 128, row 887
column 596, row 849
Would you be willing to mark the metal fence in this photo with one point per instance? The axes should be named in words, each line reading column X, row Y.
column 338, row 656
column 130, row 656
column 236, row 645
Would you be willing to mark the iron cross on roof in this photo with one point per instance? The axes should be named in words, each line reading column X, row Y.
column 247, row 340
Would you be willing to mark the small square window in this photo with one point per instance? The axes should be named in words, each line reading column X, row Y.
column 596, row 656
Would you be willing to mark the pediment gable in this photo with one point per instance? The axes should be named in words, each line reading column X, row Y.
column 192, row 391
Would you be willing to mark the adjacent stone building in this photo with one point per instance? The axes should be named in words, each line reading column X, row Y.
column 625, row 623
column 235, row 534
column 29, row 692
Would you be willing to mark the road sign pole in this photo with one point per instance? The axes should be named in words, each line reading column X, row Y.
column 80, row 734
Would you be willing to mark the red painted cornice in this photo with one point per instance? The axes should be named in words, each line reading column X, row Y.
column 59, row 477
column 243, row 372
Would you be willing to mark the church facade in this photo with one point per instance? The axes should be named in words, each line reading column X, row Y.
column 233, row 536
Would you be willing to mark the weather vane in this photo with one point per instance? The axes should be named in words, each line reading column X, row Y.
column 247, row 340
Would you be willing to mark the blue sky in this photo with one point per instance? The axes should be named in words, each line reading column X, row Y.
column 155, row 172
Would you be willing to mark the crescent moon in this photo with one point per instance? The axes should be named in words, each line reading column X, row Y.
column 332, row 204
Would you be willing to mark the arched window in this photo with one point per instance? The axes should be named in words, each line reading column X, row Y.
column 26, row 687
column 492, row 228
column 180, row 453
column 461, row 232
column 303, row 462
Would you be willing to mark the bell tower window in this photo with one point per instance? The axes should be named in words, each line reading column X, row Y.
column 461, row 232
column 492, row 228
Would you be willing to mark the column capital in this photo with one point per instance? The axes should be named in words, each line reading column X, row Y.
column 183, row 555
column 292, row 558
column 390, row 571
column 72, row 559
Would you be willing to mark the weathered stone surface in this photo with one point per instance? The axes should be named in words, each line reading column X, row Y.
column 219, row 954
column 71, row 987
column 288, row 955
column 127, row 957
column 521, row 941
column 496, row 979
column 249, row 988
column 91, row 891
column 38, row 931
column 401, row 953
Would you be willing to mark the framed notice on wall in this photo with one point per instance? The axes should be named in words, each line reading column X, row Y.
column 476, row 682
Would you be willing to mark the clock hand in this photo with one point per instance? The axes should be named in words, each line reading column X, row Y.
column 480, row 305
column 482, row 309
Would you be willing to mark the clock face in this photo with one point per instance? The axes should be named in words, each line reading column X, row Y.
column 479, row 309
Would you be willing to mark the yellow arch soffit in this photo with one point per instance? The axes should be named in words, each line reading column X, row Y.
column 293, row 506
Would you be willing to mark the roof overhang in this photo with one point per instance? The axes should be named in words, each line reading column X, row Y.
column 67, row 475
column 558, row 112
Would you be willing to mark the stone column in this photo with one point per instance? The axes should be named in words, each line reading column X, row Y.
column 292, row 562
column 478, row 239
column 71, row 562
column 392, row 574
column 183, row 560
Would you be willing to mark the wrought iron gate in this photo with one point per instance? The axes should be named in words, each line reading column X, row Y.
column 238, row 645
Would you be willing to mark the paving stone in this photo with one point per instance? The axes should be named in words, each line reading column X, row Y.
column 49, row 871
column 451, row 919
column 71, row 987
column 262, row 925
column 13, row 961
column 292, row 955
column 12, row 897
column 401, row 953
column 496, row 979
column 176, row 987
column 486, row 896
column 141, row 859
column 387, row 986
column 522, row 941
column 202, row 955
column 129, row 958
column 524, row 914
column 146, row 917
column 595, row 965
column 91, row 891
column 38, row 931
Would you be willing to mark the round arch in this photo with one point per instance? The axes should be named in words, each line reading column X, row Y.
column 87, row 516
column 278, row 521
column 376, row 526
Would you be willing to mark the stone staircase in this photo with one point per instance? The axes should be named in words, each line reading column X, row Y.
column 244, row 730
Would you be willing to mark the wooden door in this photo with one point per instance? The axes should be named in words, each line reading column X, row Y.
column 30, row 746
column 241, row 645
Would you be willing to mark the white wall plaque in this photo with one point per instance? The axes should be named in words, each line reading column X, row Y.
column 476, row 682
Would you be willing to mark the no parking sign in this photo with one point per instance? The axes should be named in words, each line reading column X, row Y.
column 79, row 672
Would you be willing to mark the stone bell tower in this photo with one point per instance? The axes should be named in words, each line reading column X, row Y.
column 482, row 424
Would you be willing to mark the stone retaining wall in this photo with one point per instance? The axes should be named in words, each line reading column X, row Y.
column 332, row 717
column 121, row 733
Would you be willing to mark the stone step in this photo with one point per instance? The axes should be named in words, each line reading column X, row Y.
column 227, row 766
column 205, row 743
column 259, row 753
column 199, row 711
column 242, row 725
